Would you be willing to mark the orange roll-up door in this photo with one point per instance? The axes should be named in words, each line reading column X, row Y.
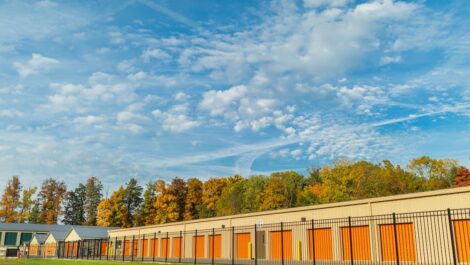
column 217, row 248
column 145, row 247
column 198, row 242
column 243, row 243
column 165, row 247
column 104, row 246
column 154, row 247
column 323, row 244
column 176, row 251
column 462, row 238
column 277, row 248
column 135, row 246
column 406, row 242
column 127, row 248
column 360, row 243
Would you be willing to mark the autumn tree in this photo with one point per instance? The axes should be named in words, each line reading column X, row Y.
column 179, row 189
column 10, row 201
column 462, row 177
column 211, row 191
column 50, row 198
column 74, row 211
column 193, row 199
column 282, row 190
column 166, row 204
column 252, row 197
column 438, row 173
column 93, row 188
column 132, row 199
column 114, row 210
column 26, row 205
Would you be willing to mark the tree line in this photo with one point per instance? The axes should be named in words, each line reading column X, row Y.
column 161, row 202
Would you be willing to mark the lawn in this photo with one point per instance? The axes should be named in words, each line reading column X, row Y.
column 64, row 262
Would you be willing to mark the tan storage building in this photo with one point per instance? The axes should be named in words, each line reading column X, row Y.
column 364, row 230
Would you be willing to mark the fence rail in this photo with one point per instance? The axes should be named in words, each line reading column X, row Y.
column 437, row 237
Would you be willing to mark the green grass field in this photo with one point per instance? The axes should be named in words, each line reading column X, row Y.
column 64, row 262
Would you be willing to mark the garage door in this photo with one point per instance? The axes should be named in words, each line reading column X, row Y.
column 176, row 247
column 127, row 248
column 154, row 247
column 215, row 246
column 462, row 238
column 243, row 245
column 164, row 251
column 323, row 244
column 145, row 248
column 198, row 243
column 360, row 243
column 406, row 242
column 277, row 248
column 104, row 246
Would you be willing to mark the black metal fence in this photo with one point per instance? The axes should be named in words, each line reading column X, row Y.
column 437, row 237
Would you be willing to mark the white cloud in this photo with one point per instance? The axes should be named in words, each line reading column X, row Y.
column 36, row 64
column 10, row 113
column 157, row 54
column 217, row 102
column 175, row 119
column 319, row 3
column 89, row 120
column 385, row 60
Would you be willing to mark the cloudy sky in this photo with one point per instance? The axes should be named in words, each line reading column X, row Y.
column 205, row 88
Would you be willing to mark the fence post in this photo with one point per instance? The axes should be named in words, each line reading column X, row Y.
column 313, row 243
column 78, row 250
column 282, row 243
column 350, row 241
column 213, row 248
column 115, row 247
column 256, row 245
column 107, row 247
column 233, row 245
column 142, row 250
column 451, row 229
column 166, row 248
column 396, row 237
column 181, row 242
column 123, row 248
column 195, row 246
column 100, row 248
column 133, row 247
column 154, row 245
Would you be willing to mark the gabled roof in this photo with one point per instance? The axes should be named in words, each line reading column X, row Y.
column 41, row 238
column 91, row 232
column 58, row 235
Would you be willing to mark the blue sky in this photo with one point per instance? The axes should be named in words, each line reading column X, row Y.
column 157, row 89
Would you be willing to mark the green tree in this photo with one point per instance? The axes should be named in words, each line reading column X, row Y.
column 34, row 216
column 146, row 215
column 231, row 199
column 93, row 188
column 193, row 199
column 74, row 211
column 252, row 196
column 10, row 201
column 132, row 199
column 26, row 204
column 50, row 198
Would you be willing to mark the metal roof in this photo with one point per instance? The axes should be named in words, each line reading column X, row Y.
column 34, row 227
column 41, row 238
column 92, row 232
